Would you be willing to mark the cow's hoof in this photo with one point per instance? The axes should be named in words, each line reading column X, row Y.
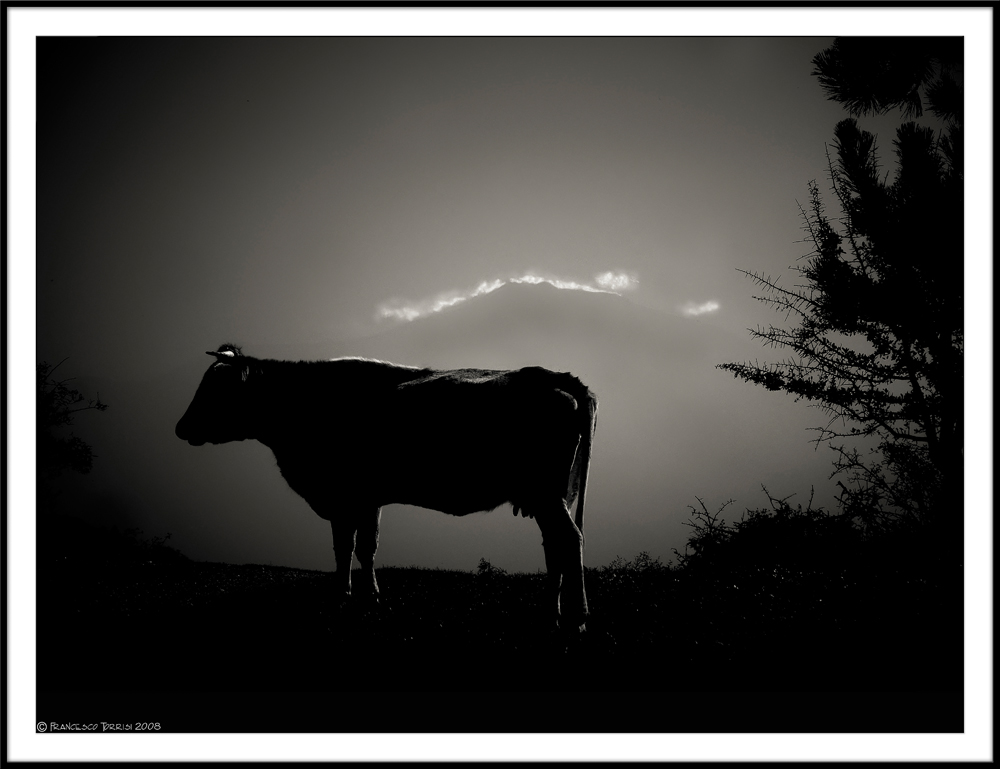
column 572, row 627
column 573, row 636
column 342, row 602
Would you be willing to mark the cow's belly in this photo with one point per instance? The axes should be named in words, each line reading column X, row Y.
column 468, row 479
column 454, row 505
column 454, row 483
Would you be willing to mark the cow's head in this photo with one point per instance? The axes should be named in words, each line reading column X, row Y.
column 219, row 412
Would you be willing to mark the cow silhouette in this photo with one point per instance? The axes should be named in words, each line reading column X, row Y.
column 353, row 434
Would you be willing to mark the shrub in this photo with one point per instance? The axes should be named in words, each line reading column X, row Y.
column 782, row 535
column 642, row 563
column 487, row 569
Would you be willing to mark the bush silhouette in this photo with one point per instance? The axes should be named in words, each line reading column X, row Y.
column 782, row 535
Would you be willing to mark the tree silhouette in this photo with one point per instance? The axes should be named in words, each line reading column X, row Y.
column 873, row 75
column 877, row 338
column 57, row 403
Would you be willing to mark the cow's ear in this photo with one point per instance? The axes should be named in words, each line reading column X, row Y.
column 224, row 355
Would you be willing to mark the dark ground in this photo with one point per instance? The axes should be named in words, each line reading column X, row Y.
column 134, row 632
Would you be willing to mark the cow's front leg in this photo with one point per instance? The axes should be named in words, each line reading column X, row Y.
column 553, row 576
column 344, row 529
column 367, row 544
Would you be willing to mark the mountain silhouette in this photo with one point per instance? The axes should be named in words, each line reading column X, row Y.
column 520, row 321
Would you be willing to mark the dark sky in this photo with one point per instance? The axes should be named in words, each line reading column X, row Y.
column 301, row 196
column 284, row 190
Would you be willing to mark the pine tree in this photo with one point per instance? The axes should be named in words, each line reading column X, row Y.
column 877, row 320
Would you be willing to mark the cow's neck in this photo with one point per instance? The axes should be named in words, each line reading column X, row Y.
column 290, row 402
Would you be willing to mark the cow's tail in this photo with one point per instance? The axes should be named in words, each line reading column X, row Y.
column 587, row 415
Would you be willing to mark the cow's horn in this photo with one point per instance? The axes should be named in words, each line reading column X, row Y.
column 221, row 355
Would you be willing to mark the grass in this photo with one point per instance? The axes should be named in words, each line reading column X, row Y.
column 144, row 620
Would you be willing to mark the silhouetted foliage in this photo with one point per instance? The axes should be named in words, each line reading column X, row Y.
column 56, row 406
column 779, row 536
column 878, row 341
column 73, row 542
column 641, row 564
column 57, row 403
column 878, row 74
column 641, row 572
column 487, row 569
column 710, row 533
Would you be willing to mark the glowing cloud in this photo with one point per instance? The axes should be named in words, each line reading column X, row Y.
column 486, row 287
column 616, row 282
column 607, row 283
column 691, row 308
column 399, row 313
column 534, row 279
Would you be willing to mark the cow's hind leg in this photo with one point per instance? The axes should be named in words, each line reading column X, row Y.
column 344, row 531
column 563, row 545
column 367, row 544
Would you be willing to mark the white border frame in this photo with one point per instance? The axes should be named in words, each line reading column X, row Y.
column 975, row 24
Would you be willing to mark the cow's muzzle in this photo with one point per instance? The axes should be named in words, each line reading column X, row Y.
column 181, row 432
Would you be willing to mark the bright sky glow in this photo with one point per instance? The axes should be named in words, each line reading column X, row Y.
column 691, row 308
column 615, row 282
column 606, row 283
